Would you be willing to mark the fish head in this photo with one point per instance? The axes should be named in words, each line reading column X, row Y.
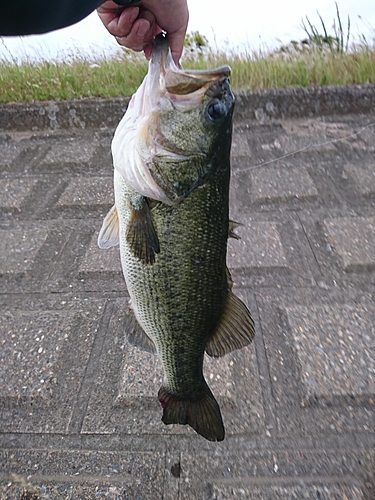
column 177, row 129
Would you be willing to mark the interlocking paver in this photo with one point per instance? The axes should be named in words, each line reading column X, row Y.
column 9, row 150
column 43, row 361
column 96, row 260
column 19, row 248
column 71, row 151
column 260, row 247
column 92, row 191
column 363, row 175
column 353, row 239
column 335, row 347
column 287, row 492
column 79, row 415
column 15, row 191
column 281, row 182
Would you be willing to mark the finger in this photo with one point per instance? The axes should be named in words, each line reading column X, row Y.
column 141, row 34
column 176, row 44
column 147, row 49
column 119, row 22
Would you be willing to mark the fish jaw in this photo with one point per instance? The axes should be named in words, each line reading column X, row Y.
column 142, row 144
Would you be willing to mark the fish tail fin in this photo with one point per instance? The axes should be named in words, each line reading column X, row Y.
column 202, row 412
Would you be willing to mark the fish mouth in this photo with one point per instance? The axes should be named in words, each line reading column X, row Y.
column 156, row 131
column 166, row 77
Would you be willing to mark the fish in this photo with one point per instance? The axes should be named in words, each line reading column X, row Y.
column 171, row 156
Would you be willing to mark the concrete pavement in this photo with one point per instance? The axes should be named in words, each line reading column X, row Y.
column 79, row 416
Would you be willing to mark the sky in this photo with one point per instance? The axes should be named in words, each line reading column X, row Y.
column 240, row 26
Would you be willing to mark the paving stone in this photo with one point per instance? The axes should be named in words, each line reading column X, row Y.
column 98, row 260
column 89, row 463
column 353, row 239
column 259, row 247
column 57, row 489
column 125, row 475
column 240, row 145
column 289, row 491
column 267, row 472
column 363, row 176
column 19, row 248
column 317, row 134
column 300, row 407
column 14, row 192
column 37, row 386
column 84, row 421
column 72, row 150
column 269, row 183
column 336, row 348
column 243, row 464
column 364, row 138
column 272, row 251
column 91, row 191
column 9, row 152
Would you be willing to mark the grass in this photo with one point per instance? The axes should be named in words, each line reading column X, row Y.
column 66, row 80
column 320, row 59
column 122, row 76
column 291, row 69
column 338, row 42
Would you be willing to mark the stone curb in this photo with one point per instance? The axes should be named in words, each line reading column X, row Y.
column 54, row 115
column 260, row 105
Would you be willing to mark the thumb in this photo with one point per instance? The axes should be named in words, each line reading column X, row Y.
column 176, row 44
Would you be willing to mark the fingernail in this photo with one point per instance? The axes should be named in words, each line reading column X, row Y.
column 142, row 30
column 134, row 14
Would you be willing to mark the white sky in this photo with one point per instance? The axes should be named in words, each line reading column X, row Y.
column 237, row 24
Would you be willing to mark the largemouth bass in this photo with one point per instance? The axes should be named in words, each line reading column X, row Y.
column 171, row 159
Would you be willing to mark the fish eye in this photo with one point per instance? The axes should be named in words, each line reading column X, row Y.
column 216, row 109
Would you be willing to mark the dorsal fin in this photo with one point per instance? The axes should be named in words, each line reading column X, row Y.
column 232, row 226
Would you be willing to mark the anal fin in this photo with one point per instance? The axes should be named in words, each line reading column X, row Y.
column 136, row 335
column 235, row 329
column 109, row 233
column 140, row 233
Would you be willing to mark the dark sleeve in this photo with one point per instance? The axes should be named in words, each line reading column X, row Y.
column 27, row 17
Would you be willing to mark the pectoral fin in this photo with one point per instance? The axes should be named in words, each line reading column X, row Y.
column 109, row 233
column 235, row 330
column 140, row 233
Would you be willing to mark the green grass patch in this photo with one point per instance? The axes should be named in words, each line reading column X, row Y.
column 293, row 68
column 122, row 76
column 67, row 80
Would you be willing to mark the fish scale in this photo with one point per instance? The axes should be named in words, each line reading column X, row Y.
column 171, row 155
column 177, row 294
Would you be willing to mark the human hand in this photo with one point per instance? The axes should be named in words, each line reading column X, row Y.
column 136, row 27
